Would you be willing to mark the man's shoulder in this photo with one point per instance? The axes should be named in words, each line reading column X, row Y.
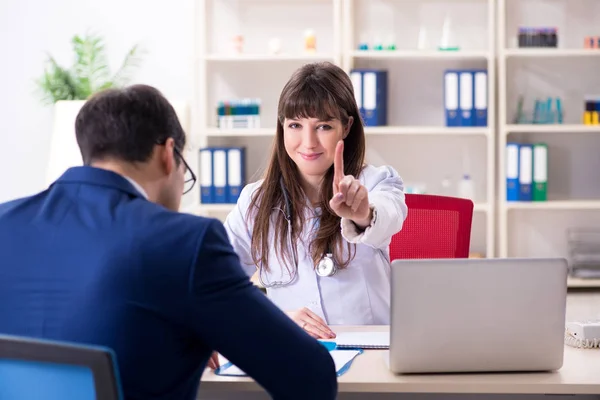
column 10, row 205
column 20, row 204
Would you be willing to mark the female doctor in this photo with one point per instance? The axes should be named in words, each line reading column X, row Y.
column 318, row 225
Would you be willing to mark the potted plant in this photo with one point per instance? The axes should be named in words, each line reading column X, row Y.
column 66, row 89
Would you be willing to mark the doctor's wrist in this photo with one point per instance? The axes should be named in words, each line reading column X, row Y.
column 364, row 223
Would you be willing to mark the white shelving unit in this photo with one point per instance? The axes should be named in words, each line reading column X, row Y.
column 538, row 229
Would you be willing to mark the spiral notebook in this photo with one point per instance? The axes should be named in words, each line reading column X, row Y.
column 363, row 340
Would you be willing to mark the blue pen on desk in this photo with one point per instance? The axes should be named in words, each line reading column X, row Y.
column 329, row 345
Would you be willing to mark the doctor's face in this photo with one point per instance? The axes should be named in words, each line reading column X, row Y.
column 311, row 143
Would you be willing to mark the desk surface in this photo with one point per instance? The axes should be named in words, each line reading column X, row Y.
column 580, row 374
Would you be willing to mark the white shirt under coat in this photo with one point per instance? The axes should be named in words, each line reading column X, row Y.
column 356, row 295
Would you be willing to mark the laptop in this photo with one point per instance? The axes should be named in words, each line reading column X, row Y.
column 477, row 315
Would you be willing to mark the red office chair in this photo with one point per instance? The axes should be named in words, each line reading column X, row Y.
column 435, row 227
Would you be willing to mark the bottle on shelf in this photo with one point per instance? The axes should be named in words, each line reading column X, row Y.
column 310, row 41
column 466, row 188
column 391, row 43
column 446, row 189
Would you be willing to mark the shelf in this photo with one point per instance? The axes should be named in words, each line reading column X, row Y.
column 375, row 130
column 551, row 52
column 426, row 130
column 580, row 283
column 203, row 209
column 549, row 128
column 420, row 54
column 555, row 205
column 268, row 57
column 216, row 132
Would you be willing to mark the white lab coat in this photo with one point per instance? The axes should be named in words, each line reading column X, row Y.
column 356, row 295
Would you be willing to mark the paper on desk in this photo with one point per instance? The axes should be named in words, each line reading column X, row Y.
column 228, row 369
column 341, row 359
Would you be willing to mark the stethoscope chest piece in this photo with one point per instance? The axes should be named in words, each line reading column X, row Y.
column 326, row 266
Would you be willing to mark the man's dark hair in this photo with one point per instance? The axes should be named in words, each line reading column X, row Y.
column 125, row 124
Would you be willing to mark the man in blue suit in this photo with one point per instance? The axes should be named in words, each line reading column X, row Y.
column 103, row 257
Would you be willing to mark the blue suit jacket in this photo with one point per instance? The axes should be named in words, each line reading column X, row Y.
column 90, row 260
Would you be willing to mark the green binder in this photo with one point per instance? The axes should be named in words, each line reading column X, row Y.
column 540, row 172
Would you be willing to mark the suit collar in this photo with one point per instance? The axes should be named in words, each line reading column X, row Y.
column 137, row 186
column 99, row 177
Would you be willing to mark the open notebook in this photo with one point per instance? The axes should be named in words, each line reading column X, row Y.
column 342, row 359
column 362, row 340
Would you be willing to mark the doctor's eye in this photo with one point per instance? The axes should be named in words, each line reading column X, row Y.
column 294, row 125
column 325, row 127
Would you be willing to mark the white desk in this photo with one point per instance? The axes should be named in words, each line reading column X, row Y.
column 580, row 375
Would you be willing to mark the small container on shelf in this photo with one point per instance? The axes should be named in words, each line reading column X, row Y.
column 591, row 113
column 237, row 44
column 377, row 44
column 274, row 46
column 310, row 41
column 466, row 188
column 591, row 42
column 391, row 43
column 363, row 43
column 584, row 252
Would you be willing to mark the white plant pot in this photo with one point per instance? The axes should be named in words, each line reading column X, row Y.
column 64, row 151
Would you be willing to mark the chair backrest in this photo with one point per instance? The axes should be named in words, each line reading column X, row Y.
column 435, row 227
column 47, row 370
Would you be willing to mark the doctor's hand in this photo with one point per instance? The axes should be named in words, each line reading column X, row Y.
column 311, row 323
column 350, row 198
column 213, row 361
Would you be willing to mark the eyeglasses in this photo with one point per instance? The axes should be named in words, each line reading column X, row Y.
column 190, row 177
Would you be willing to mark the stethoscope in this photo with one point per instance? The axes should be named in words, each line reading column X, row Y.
column 326, row 266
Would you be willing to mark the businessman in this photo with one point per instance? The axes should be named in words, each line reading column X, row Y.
column 103, row 257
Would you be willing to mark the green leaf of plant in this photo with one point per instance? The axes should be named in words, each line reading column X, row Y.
column 89, row 74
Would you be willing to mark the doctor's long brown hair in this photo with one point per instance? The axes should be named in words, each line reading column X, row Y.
column 317, row 90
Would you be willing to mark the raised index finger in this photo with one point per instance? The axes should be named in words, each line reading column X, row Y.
column 338, row 162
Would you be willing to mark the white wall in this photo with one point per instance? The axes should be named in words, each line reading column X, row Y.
column 29, row 29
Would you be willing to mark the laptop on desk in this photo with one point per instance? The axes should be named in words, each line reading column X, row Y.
column 477, row 315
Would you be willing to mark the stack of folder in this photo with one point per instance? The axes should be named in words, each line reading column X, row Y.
column 371, row 94
column 526, row 172
column 222, row 174
column 466, row 97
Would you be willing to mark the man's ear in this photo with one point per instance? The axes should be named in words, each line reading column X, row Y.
column 168, row 156
column 347, row 130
